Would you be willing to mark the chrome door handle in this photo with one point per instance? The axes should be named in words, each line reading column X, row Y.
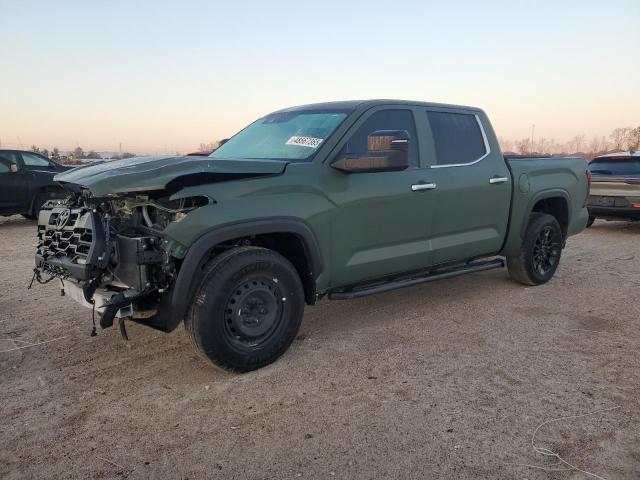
column 416, row 187
column 498, row 180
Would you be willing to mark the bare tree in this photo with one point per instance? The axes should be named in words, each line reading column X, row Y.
column 78, row 153
column 633, row 139
column 505, row 145
column 35, row 149
column 577, row 142
column 542, row 146
column 604, row 144
column 618, row 137
column 524, row 145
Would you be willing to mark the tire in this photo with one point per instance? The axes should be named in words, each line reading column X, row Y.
column 539, row 253
column 590, row 221
column 247, row 309
column 38, row 201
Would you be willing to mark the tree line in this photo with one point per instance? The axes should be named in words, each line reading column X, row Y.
column 76, row 155
column 620, row 139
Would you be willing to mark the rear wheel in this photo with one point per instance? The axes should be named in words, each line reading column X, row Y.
column 539, row 253
column 247, row 310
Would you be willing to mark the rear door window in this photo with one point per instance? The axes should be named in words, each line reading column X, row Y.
column 617, row 167
column 457, row 137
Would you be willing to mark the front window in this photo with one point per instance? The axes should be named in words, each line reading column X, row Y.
column 296, row 135
column 393, row 119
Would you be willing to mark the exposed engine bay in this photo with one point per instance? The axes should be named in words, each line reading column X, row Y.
column 109, row 252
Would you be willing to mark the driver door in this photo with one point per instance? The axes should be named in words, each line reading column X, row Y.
column 381, row 222
column 13, row 186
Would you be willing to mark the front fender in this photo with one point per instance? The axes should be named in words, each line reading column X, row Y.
column 175, row 303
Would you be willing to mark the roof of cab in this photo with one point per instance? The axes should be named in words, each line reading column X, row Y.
column 354, row 104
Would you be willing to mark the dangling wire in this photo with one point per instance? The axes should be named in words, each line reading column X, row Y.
column 93, row 318
column 36, row 276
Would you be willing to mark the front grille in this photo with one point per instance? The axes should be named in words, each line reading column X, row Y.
column 72, row 240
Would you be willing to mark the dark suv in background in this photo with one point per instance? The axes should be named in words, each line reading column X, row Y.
column 615, row 187
column 26, row 182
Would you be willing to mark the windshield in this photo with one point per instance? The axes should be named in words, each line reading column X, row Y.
column 622, row 167
column 294, row 135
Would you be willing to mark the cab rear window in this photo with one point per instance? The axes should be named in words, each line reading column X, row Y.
column 623, row 167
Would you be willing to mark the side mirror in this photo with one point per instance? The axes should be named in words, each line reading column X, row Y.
column 13, row 168
column 387, row 151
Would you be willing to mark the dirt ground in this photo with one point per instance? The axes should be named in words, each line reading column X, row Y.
column 444, row 380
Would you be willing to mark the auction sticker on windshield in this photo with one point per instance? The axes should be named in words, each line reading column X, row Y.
column 310, row 142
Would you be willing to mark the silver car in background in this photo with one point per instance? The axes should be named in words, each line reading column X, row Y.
column 615, row 187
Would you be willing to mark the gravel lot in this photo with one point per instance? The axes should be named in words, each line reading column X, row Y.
column 445, row 380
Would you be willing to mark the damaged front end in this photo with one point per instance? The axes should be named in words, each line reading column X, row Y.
column 110, row 253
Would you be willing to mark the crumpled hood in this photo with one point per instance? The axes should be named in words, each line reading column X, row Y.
column 141, row 174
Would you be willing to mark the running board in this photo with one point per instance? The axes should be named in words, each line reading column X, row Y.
column 408, row 282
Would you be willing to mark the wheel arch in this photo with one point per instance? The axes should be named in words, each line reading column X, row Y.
column 46, row 191
column 555, row 202
column 266, row 233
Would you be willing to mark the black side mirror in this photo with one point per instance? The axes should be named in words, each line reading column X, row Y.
column 387, row 151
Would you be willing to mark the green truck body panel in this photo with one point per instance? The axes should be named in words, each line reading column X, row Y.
column 145, row 174
column 367, row 225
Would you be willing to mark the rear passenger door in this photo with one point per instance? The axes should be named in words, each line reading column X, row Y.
column 473, row 185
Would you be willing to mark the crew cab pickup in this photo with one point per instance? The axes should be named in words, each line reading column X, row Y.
column 341, row 199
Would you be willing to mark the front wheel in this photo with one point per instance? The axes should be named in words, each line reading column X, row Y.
column 540, row 251
column 247, row 310
column 38, row 201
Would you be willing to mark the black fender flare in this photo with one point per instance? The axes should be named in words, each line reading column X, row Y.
column 174, row 305
column 551, row 193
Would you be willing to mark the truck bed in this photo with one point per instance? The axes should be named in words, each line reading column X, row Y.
column 536, row 178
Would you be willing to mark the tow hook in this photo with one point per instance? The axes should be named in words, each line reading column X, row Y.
column 111, row 308
column 110, row 312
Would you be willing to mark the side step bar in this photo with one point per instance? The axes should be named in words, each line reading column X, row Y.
column 407, row 282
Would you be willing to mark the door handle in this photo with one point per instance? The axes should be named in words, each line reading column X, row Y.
column 493, row 180
column 416, row 187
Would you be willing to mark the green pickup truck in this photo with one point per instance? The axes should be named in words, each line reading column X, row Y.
column 341, row 199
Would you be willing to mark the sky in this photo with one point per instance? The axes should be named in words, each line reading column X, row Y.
column 160, row 76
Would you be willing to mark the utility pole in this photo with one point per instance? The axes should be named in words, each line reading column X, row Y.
column 120, row 148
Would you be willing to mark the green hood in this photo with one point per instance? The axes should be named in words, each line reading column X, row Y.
column 141, row 174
